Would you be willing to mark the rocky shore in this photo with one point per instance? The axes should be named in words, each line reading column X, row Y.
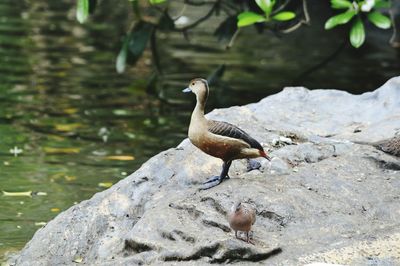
column 326, row 196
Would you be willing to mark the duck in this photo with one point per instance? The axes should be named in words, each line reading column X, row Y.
column 218, row 138
column 241, row 218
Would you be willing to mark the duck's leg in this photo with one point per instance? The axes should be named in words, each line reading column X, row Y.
column 252, row 165
column 216, row 180
column 248, row 238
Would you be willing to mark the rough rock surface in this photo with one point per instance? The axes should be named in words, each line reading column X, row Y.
column 323, row 197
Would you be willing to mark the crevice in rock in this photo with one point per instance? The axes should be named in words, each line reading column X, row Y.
column 295, row 137
column 185, row 236
column 245, row 254
column 192, row 211
column 134, row 247
column 282, row 221
column 214, row 204
column 386, row 164
column 208, row 251
column 141, row 180
column 213, row 251
column 168, row 235
column 218, row 225
column 173, row 236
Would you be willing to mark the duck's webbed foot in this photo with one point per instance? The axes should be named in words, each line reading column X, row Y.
column 252, row 165
column 212, row 182
column 216, row 180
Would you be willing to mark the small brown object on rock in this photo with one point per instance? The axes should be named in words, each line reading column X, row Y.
column 241, row 218
column 391, row 146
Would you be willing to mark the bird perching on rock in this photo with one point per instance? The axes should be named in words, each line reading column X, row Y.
column 241, row 218
column 217, row 138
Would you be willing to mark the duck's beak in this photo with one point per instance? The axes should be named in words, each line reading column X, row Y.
column 187, row 90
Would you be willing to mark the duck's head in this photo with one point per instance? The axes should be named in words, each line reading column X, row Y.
column 199, row 87
column 236, row 207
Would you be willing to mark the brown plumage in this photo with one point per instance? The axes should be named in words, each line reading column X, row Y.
column 241, row 218
column 391, row 146
column 217, row 138
column 232, row 131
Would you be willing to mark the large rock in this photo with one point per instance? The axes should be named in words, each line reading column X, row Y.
column 323, row 197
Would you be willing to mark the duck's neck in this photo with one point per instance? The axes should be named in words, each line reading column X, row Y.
column 198, row 112
column 198, row 122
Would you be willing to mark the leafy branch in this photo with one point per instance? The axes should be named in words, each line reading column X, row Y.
column 355, row 12
column 239, row 14
column 249, row 18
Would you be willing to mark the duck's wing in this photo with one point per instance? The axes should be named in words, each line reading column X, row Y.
column 253, row 216
column 232, row 131
column 250, row 212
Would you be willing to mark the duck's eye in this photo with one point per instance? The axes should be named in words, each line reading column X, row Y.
column 193, row 84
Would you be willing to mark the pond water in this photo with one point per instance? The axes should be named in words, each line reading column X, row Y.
column 82, row 127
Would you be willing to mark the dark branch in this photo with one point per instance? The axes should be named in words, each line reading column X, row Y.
column 198, row 3
column 202, row 19
column 281, row 7
column 304, row 21
column 154, row 52
column 322, row 63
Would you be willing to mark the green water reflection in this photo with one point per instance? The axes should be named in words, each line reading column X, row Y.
column 62, row 103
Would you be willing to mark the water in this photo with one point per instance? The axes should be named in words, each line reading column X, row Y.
column 62, row 103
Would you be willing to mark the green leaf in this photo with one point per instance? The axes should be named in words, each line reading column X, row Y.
column 379, row 20
column 357, row 33
column 226, row 29
column 266, row 5
column 341, row 4
column 382, row 4
column 122, row 56
column 156, row 2
column 134, row 45
column 285, row 15
column 51, row 150
column 17, row 194
column 82, row 10
column 105, row 184
column 249, row 18
column 340, row 19
column 138, row 39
